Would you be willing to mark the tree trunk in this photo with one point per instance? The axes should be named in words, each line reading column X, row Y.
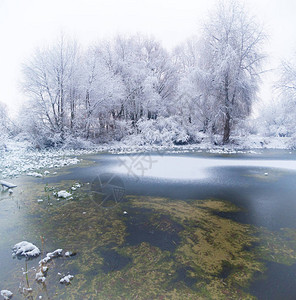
column 226, row 134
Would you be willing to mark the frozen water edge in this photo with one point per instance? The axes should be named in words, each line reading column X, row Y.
column 16, row 159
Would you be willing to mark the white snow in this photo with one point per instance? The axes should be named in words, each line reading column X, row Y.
column 6, row 294
column 66, row 279
column 19, row 158
column 189, row 168
column 34, row 174
column 49, row 256
column 63, row 194
column 40, row 277
column 26, row 249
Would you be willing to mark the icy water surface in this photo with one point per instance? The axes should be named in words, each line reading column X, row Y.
column 161, row 226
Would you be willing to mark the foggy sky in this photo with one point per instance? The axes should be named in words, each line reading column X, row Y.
column 27, row 24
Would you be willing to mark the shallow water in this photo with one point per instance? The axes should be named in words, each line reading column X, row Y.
column 196, row 225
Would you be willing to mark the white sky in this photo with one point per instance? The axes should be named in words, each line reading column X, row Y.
column 27, row 24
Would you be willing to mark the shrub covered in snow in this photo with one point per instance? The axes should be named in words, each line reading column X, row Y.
column 162, row 131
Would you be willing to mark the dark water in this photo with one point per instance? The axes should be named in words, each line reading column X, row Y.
column 265, row 200
column 141, row 229
column 261, row 196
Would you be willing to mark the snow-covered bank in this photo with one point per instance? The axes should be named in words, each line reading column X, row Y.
column 238, row 145
column 17, row 158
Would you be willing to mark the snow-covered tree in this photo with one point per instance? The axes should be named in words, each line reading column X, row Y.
column 4, row 124
column 230, row 64
column 101, row 93
column 286, row 85
column 146, row 73
column 278, row 117
column 50, row 81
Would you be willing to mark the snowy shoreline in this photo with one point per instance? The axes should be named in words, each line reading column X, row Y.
column 16, row 159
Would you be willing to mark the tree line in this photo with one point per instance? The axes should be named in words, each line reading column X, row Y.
column 131, row 85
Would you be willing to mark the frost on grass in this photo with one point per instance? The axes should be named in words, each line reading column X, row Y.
column 6, row 294
column 25, row 249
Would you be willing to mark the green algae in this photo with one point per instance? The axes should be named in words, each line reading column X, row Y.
column 220, row 257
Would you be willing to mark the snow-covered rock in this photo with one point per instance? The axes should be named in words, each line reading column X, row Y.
column 70, row 253
column 44, row 269
column 66, row 279
column 6, row 294
column 63, row 194
column 49, row 256
column 34, row 174
column 40, row 277
column 26, row 249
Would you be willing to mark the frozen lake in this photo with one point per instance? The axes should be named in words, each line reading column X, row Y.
column 194, row 225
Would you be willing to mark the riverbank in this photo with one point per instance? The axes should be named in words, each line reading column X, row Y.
column 18, row 158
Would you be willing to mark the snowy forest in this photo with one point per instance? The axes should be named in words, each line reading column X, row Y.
column 130, row 88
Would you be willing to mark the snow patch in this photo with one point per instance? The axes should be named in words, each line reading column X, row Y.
column 25, row 249
column 34, row 174
column 49, row 256
column 187, row 168
column 6, row 294
column 40, row 277
column 66, row 279
column 63, row 194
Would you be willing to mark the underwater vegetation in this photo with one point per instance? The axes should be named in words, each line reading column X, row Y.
column 160, row 249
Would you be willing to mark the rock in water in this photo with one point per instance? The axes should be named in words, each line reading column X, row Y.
column 49, row 256
column 66, row 279
column 6, row 294
column 70, row 253
column 25, row 249
column 63, row 194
